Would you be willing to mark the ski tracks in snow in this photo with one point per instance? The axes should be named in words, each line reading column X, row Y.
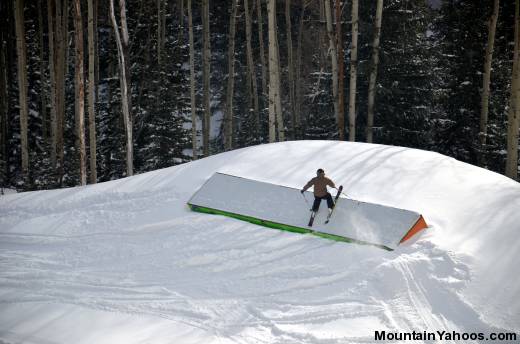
column 145, row 254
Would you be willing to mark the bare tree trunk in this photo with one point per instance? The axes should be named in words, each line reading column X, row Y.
column 353, row 73
column 180, row 35
column 341, row 74
column 322, row 34
column 61, row 65
column 298, row 75
column 192, row 85
column 123, row 80
column 373, row 71
column 514, row 109
column 290, row 66
column 161, row 28
column 43, row 75
column 206, row 76
column 228, row 120
column 492, row 25
column 262, row 50
column 276, row 126
column 271, row 16
column 280, row 126
column 323, row 48
column 79, row 88
column 92, row 92
column 96, row 49
column 22, row 82
column 251, row 79
column 51, row 18
column 334, row 58
column 4, row 106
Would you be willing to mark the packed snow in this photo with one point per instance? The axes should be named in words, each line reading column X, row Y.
column 127, row 262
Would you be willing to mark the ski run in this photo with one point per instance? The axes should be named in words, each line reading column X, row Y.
column 127, row 261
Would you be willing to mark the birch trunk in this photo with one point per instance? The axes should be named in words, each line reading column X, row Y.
column 61, row 69
column 43, row 75
column 262, row 49
column 96, row 49
column 334, row 58
column 192, row 85
column 271, row 13
column 4, row 105
column 206, row 75
column 251, row 79
column 160, row 30
column 341, row 74
column 79, row 88
column 373, row 71
column 353, row 73
column 51, row 12
column 276, row 126
column 180, row 35
column 123, row 80
column 298, row 75
column 159, row 33
column 492, row 25
column 92, row 92
column 228, row 121
column 514, row 109
column 290, row 66
column 22, row 82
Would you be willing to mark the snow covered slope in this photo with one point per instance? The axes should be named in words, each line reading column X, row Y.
column 128, row 262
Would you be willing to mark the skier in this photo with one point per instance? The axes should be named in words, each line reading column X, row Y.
column 320, row 183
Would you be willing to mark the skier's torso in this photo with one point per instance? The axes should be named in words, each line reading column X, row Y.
column 320, row 185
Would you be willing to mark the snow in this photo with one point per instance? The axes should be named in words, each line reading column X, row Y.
column 127, row 262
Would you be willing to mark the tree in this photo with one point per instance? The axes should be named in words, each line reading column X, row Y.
column 161, row 23
column 290, row 68
column 192, row 85
column 261, row 43
column 206, row 54
column 79, row 87
column 43, row 74
column 92, row 47
column 4, row 101
column 334, row 60
column 121, row 43
column 514, row 108
column 353, row 72
column 298, row 80
column 341, row 98
column 492, row 25
column 51, row 24
column 276, row 127
column 373, row 71
column 22, row 83
column 228, row 120
column 251, row 75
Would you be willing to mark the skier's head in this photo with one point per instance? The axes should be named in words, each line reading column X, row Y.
column 320, row 172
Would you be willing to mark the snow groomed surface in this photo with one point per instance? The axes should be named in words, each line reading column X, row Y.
column 282, row 207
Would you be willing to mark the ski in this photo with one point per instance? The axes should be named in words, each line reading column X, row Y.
column 335, row 201
column 311, row 220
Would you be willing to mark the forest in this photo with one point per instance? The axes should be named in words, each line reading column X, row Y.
column 92, row 91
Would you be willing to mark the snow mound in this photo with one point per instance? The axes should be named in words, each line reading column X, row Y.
column 127, row 262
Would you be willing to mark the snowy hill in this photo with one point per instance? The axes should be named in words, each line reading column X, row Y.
column 128, row 262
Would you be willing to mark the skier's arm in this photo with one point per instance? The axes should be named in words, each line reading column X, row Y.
column 308, row 185
column 331, row 183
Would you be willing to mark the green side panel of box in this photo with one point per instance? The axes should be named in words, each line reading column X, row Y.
column 282, row 226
